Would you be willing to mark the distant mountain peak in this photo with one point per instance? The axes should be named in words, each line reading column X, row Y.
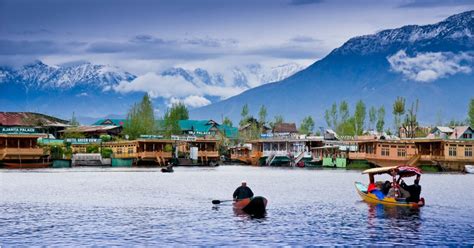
column 458, row 27
column 66, row 76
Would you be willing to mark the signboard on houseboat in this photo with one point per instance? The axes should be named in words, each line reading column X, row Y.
column 183, row 138
column 18, row 130
column 83, row 141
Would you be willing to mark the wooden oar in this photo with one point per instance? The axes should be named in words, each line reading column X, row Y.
column 220, row 201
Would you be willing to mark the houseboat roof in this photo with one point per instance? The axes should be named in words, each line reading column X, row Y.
column 37, row 135
column 30, row 119
column 89, row 129
column 459, row 131
column 285, row 128
column 108, row 122
column 156, row 140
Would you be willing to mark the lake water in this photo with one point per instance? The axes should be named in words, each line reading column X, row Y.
column 142, row 206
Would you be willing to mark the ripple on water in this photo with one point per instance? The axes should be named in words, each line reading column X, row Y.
column 139, row 207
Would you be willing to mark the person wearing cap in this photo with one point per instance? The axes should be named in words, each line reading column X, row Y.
column 242, row 192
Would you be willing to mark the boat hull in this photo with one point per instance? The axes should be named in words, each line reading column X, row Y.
column 12, row 165
column 388, row 201
column 254, row 206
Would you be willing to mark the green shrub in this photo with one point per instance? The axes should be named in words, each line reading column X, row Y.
column 56, row 152
column 106, row 153
column 92, row 149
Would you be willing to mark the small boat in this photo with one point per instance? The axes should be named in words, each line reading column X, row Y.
column 254, row 206
column 469, row 169
column 167, row 170
column 377, row 197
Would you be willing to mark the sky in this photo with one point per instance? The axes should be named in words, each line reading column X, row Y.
column 145, row 37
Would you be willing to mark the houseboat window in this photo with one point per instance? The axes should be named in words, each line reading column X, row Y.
column 452, row 151
column 401, row 152
column 119, row 150
column 393, row 146
column 468, row 151
column 385, row 151
column 275, row 147
column 266, row 146
column 130, row 150
column 467, row 136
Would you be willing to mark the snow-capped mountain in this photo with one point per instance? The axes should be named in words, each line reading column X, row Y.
column 90, row 89
column 38, row 75
column 432, row 63
column 247, row 76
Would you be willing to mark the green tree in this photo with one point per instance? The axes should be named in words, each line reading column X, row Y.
column 359, row 117
column 173, row 115
column 372, row 117
column 471, row 113
column 262, row 115
column 140, row 119
column 410, row 125
column 73, row 121
column 327, row 118
column 307, row 125
column 398, row 112
column 244, row 114
column 227, row 121
column 380, row 119
column 334, row 117
column 344, row 111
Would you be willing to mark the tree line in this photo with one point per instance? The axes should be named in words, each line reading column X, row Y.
column 141, row 119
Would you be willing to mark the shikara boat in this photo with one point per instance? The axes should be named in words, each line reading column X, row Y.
column 375, row 196
column 254, row 206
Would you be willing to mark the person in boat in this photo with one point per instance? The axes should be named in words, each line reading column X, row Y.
column 242, row 192
column 414, row 190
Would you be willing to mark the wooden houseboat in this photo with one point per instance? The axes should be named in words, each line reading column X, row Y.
column 197, row 151
column 446, row 153
column 124, row 153
column 154, row 151
column 280, row 151
column 21, row 151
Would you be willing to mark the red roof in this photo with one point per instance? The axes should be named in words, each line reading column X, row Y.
column 28, row 119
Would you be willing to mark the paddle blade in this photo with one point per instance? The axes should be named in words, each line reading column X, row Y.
column 216, row 202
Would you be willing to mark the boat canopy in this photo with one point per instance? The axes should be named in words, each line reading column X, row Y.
column 403, row 171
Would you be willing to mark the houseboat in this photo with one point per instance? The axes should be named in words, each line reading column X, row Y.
column 22, row 151
column 153, row 151
column 124, row 153
column 196, row 151
column 283, row 151
column 445, row 153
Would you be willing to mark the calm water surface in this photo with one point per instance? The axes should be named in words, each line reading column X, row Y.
column 130, row 206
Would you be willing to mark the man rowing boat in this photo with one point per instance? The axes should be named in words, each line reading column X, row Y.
column 242, row 192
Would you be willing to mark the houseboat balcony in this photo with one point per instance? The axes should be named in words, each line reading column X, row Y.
column 275, row 153
column 153, row 155
column 358, row 155
column 125, row 155
column 208, row 153
column 15, row 152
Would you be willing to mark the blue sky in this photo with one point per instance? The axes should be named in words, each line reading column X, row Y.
column 145, row 37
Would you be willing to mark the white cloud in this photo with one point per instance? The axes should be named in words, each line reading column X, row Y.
column 192, row 101
column 158, row 86
column 176, row 87
column 82, row 94
column 428, row 67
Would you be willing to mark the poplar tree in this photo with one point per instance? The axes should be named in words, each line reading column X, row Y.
column 471, row 113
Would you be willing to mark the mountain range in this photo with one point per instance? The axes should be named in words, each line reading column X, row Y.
column 431, row 63
column 90, row 90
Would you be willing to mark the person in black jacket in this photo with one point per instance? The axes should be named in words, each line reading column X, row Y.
column 242, row 192
column 414, row 190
